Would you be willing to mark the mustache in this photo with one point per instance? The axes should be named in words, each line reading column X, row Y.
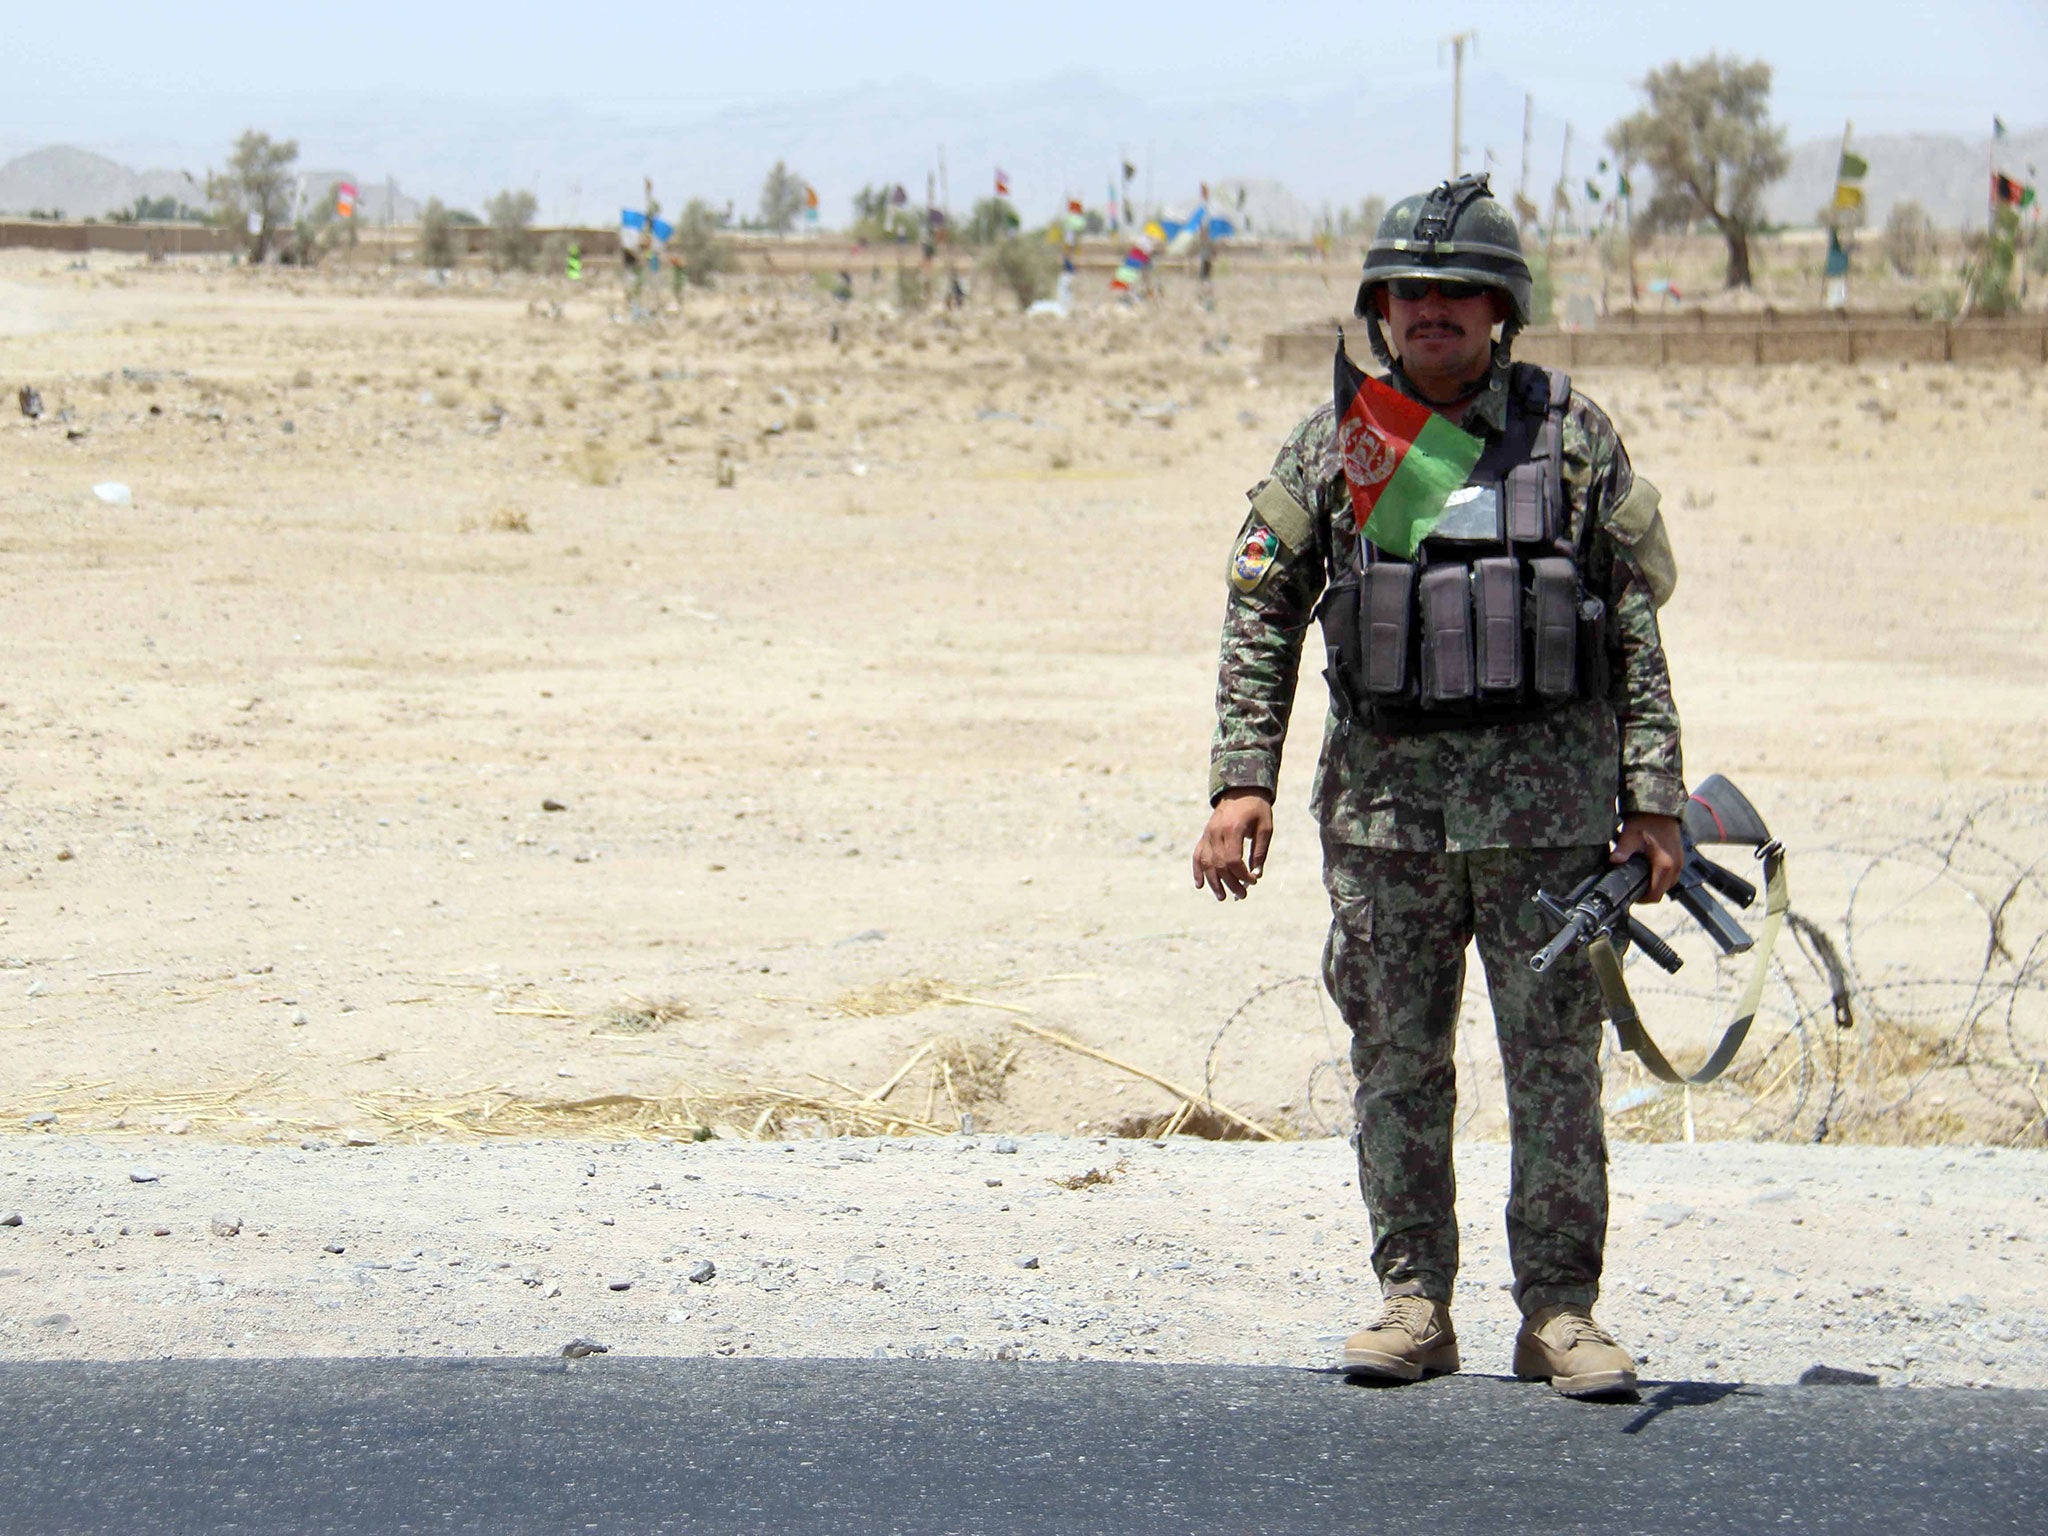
column 1434, row 327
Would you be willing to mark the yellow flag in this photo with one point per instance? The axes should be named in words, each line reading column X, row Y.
column 1847, row 196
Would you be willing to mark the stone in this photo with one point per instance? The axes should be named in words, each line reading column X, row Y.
column 54, row 1320
column 863, row 1276
column 1668, row 1214
column 334, row 1248
column 41, row 1117
column 1006, row 1145
column 359, row 1139
column 1835, row 1376
column 576, row 1349
column 619, row 1283
column 143, row 1176
column 702, row 1272
column 11, row 1219
column 226, row 1226
column 1026, row 1261
column 553, row 805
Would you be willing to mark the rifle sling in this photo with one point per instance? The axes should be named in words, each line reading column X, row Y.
column 1628, row 1023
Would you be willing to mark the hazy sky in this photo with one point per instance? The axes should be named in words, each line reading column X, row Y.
column 1891, row 64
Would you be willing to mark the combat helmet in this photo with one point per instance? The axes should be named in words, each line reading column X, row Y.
column 1458, row 231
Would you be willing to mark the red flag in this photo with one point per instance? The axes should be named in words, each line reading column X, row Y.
column 1074, row 205
column 1002, row 183
column 1401, row 460
column 2006, row 192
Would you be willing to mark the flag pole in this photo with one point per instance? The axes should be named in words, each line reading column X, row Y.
column 1835, row 212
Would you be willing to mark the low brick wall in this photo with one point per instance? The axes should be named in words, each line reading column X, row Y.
column 138, row 239
column 2009, row 342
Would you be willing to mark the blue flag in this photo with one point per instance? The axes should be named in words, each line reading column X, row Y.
column 662, row 230
column 632, row 218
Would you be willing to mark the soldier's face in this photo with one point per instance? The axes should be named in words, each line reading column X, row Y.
column 1450, row 338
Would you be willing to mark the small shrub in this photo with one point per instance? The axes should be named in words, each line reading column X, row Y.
column 1028, row 268
column 437, row 236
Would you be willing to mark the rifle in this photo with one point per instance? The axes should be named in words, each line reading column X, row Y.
column 1595, row 917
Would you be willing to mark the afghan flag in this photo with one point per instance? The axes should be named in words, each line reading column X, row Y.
column 2008, row 192
column 1401, row 459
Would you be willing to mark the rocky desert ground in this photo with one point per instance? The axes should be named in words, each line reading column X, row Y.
column 489, row 729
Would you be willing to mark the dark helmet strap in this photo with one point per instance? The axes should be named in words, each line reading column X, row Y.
column 1378, row 338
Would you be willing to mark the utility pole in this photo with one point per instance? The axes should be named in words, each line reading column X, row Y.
column 1560, row 199
column 1457, row 42
column 1522, row 203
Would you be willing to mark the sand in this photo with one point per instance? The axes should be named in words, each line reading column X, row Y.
column 895, row 739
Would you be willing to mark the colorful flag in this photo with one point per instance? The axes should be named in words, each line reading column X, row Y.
column 1002, row 182
column 1838, row 258
column 2007, row 192
column 1853, row 167
column 1847, row 196
column 1401, row 459
column 662, row 230
column 632, row 218
column 1074, row 206
column 345, row 200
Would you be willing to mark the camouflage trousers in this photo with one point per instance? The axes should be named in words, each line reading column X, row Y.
column 1395, row 965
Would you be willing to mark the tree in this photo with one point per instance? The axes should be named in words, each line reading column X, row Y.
column 1706, row 135
column 1027, row 267
column 510, row 215
column 696, row 244
column 1908, row 237
column 878, row 217
column 437, row 235
column 257, row 181
column 993, row 219
column 782, row 199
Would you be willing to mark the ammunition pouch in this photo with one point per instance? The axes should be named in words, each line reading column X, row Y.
column 1491, row 622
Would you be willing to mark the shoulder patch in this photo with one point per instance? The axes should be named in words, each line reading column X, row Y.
column 1255, row 554
column 1276, row 507
column 1637, row 524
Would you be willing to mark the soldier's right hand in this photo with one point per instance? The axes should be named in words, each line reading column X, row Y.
column 1241, row 817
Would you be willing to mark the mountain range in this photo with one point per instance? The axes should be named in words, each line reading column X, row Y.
column 1060, row 138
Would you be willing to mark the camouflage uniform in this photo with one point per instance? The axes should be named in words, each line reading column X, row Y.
column 1431, row 840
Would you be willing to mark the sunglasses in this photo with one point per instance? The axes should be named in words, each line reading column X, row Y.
column 1410, row 289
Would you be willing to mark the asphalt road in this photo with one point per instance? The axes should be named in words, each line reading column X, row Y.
column 641, row 1445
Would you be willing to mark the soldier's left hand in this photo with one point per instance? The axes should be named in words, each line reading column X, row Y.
column 1656, row 839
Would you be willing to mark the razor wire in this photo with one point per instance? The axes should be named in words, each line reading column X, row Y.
column 1941, row 1039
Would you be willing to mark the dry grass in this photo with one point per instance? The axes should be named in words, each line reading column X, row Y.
column 103, row 1106
column 886, row 999
column 687, row 1112
column 511, row 520
column 640, row 1016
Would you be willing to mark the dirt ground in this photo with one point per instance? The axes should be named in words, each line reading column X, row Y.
column 483, row 709
column 1725, row 1261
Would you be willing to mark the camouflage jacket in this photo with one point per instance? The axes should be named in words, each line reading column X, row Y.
column 1558, row 781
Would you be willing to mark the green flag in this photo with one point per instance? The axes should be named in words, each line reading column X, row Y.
column 1401, row 459
column 1853, row 167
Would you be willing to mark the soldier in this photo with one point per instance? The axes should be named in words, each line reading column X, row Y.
column 1522, row 736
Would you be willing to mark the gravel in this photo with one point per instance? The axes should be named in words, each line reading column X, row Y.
column 1786, row 1258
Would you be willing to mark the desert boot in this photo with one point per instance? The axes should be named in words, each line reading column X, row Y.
column 1411, row 1339
column 1565, row 1347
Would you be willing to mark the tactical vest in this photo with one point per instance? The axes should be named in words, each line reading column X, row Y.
column 1491, row 622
